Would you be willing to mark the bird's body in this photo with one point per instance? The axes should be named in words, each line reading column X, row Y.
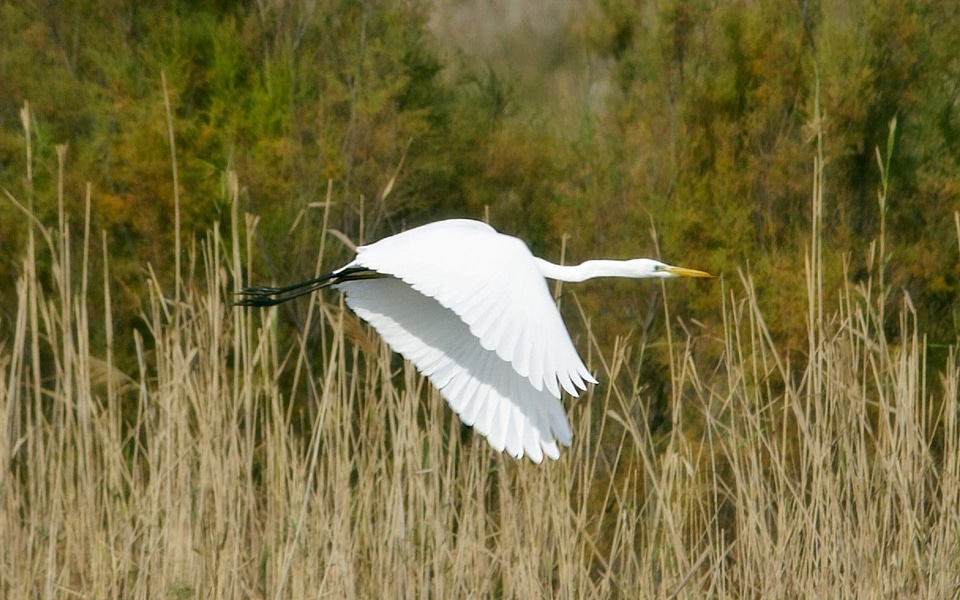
column 470, row 308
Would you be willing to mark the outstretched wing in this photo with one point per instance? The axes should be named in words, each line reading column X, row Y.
column 483, row 389
column 492, row 282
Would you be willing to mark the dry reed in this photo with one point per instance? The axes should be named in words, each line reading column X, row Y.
column 835, row 474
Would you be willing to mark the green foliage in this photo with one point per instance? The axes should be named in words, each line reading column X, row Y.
column 290, row 95
column 715, row 116
column 699, row 146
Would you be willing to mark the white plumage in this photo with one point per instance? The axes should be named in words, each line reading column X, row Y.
column 470, row 308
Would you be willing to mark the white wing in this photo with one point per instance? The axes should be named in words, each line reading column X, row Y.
column 493, row 283
column 485, row 391
column 472, row 311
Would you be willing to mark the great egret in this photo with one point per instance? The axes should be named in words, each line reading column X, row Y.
column 470, row 308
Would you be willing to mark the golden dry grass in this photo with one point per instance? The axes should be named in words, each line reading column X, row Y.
column 834, row 474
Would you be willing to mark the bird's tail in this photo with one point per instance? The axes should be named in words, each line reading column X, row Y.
column 260, row 295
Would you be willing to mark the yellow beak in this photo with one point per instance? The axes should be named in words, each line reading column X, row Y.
column 684, row 272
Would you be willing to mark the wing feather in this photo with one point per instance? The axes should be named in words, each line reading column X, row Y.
column 482, row 388
column 493, row 283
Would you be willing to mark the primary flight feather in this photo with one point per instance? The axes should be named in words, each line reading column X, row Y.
column 470, row 308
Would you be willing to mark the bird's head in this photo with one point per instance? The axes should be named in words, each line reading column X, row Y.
column 649, row 268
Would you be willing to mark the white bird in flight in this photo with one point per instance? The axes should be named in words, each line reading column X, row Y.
column 470, row 308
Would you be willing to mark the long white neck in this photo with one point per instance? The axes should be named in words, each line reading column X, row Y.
column 587, row 270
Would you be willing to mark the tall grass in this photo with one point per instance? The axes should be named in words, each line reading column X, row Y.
column 833, row 474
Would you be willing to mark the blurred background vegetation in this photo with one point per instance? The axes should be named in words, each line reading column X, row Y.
column 680, row 129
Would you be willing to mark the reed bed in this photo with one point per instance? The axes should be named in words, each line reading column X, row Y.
column 228, row 464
